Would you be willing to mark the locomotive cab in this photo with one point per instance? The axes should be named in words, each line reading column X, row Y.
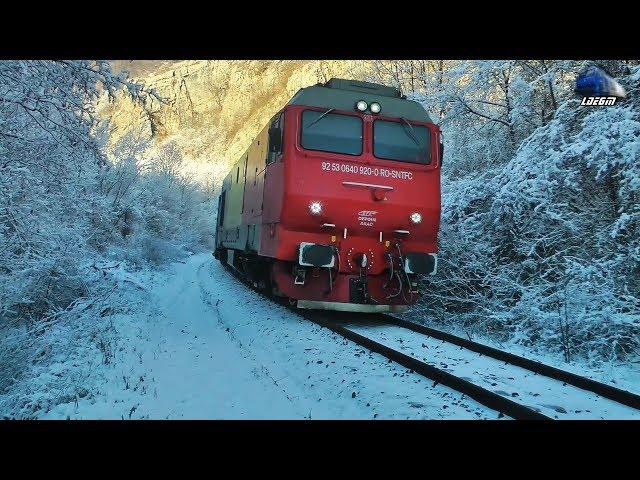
column 342, row 207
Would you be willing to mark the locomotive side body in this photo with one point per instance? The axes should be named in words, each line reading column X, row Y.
column 336, row 207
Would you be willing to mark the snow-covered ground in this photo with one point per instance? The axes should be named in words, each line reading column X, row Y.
column 204, row 346
column 195, row 343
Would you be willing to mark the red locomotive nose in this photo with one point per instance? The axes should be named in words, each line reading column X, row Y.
column 345, row 173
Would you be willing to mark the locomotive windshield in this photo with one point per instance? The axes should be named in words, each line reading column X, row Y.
column 331, row 132
column 401, row 141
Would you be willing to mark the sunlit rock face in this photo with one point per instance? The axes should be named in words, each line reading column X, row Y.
column 214, row 108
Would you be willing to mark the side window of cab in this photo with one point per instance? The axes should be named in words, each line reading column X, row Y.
column 276, row 136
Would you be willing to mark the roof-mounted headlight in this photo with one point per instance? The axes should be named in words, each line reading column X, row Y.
column 375, row 107
column 361, row 105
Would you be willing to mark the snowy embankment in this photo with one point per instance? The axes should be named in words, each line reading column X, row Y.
column 194, row 343
column 190, row 341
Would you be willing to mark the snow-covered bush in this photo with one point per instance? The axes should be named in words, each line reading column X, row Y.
column 542, row 248
column 161, row 212
column 49, row 164
column 67, row 205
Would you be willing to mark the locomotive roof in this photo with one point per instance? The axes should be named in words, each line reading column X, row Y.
column 343, row 94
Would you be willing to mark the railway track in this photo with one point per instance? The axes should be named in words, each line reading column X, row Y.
column 608, row 391
column 481, row 395
column 484, row 396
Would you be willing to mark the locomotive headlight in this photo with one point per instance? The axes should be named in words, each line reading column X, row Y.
column 375, row 107
column 361, row 105
column 415, row 217
column 315, row 208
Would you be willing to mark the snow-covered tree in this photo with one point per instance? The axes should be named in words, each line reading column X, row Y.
column 67, row 204
column 539, row 226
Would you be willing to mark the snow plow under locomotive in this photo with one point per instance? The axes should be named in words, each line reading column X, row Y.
column 336, row 203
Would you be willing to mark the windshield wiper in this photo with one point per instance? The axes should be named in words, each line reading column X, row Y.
column 321, row 116
column 411, row 133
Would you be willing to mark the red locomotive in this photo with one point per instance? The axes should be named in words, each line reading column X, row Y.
column 336, row 203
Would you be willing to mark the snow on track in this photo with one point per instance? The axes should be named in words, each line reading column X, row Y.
column 208, row 347
column 546, row 395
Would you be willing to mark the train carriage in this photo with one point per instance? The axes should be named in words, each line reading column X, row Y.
column 336, row 202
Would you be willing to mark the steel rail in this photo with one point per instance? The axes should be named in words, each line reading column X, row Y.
column 613, row 393
column 483, row 396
